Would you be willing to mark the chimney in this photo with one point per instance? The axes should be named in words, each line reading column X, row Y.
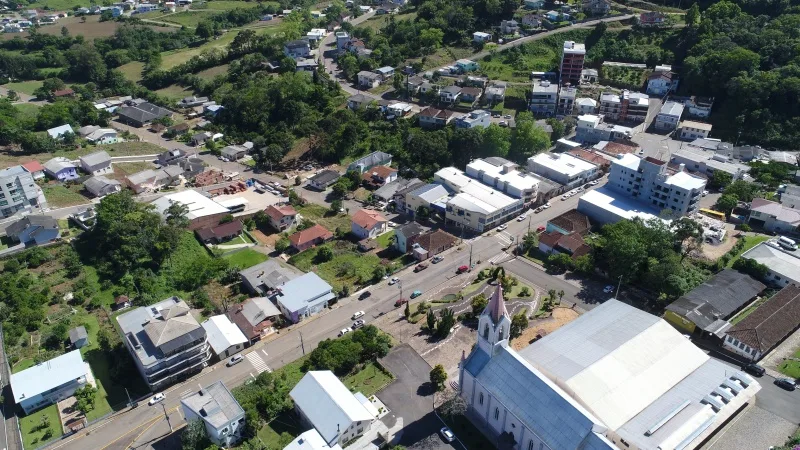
column 681, row 167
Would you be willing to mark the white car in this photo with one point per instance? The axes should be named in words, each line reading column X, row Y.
column 447, row 434
column 357, row 315
column 705, row 193
column 594, row 182
column 358, row 324
column 502, row 227
column 344, row 331
column 235, row 359
column 608, row 289
column 566, row 196
column 521, row 218
column 157, row 398
column 393, row 280
column 546, row 205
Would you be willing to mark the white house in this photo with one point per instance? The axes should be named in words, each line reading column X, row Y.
column 311, row 440
column 691, row 130
column 480, row 37
column 221, row 414
column 224, row 337
column 303, row 297
column 369, row 80
column 324, row 403
column 103, row 136
column 669, row 116
column 368, row 224
column 477, row 118
column 60, row 131
column 50, row 382
column 97, row 163
column 586, row 105
column 660, row 83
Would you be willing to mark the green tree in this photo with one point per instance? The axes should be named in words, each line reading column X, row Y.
column 530, row 242
column 85, row 398
column 529, row 139
column 12, row 95
column 204, row 30
column 692, row 16
column 194, row 436
column 446, row 322
column 558, row 128
column 336, row 206
column 431, row 39
column 282, row 244
column 324, row 254
column 72, row 262
column 407, row 311
column 496, row 141
column 720, row 179
column 176, row 215
column 423, row 212
column 478, row 304
column 519, row 322
column 431, row 321
column 726, row 203
column 438, row 377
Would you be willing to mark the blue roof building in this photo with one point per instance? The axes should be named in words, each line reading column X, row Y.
column 303, row 296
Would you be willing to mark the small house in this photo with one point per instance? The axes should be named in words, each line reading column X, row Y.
column 33, row 229
column 78, row 337
column 59, row 132
column 310, row 237
column 368, row 224
column 281, row 218
column 101, row 186
column 467, row 65
column 479, row 37
column 61, row 169
column 97, row 163
column 323, row 180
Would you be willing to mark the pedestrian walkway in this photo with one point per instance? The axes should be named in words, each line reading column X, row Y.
column 257, row 362
column 504, row 238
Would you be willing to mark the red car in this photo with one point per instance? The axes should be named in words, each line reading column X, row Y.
column 400, row 302
column 540, row 229
column 462, row 269
column 420, row 267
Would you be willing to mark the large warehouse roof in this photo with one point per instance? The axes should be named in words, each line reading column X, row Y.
column 199, row 205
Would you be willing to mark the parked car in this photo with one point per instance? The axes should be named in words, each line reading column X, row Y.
column 416, row 294
column 447, row 435
column 394, row 280
column 704, row 193
column 157, row 398
column 400, row 302
column 754, row 369
column 521, row 217
column 344, row 331
column 786, row 383
column 540, row 228
column 358, row 324
column 437, row 259
column 594, row 182
column 462, row 269
column 235, row 359
column 608, row 289
column 502, row 227
column 420, row 267
column 364, row 295
column 357, row 315
column 538, row 210
column 546, row 205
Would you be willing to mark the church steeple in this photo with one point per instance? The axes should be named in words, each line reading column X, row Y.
column 497, row 306
column 494, row 324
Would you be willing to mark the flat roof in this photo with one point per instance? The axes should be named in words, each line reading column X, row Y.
column 215, row 404
column 48, row 375
column 697, row 125
column 199, row 205
column 672, row 109
column 563, row 163
column 222, row 333
column 686, row 181
column 471, row 193
column 515, row 178
column 617, row 204
column 778, row 261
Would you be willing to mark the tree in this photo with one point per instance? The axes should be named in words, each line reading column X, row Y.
column 518, row 324
column 558, row 262
column 446, row 322
column 194, row 436
column 438, row 377
column 529, row 139
column 726, row 203
column 431, row 321
column 720, row 179
column 742, row 190
column 227, row 218
column 407, row 311
column 336, row 206
column 72, row 262
column 176, row 215
column 85, row 398
column 478, row 304
column 687, row 229
column 751, row 267
column 496, row 141
column 423, row 212
column 397, row 82
column 558, row 128
column 204, row 30
column 692, row 16
column 431, row 39
column 282, row 244
column 530, row 241
column 12, row 95
column 324, row 254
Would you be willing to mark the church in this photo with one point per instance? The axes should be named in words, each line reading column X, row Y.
column 614, row 378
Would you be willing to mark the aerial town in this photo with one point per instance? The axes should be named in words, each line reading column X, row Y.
column 393, row 224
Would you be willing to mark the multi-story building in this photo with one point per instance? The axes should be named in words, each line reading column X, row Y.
column 627, row 107
column 544, row 98
column 50, row 382
column 166, row 342
column 707, row 162
column 669, row 116
column 648, row 181
column 566, row 100
column 586, row 106
column 691, row 130
column 18, row 192
column 477, row 118
column 572, row 62
column 591, row 129
column 503, row 175
column 563, row 168
column 474, row 205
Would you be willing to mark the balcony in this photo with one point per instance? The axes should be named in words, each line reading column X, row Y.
column 182, row 367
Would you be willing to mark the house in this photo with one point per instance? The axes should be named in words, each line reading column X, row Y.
column 398, row 109
column 477, row 118
column 33, row 229
column 220, row 233
column 224, row 337
column 399, row 197
column 430, row 244
column 571, row 244
column 705, row 310
column 572, row 58
column 652, row 19
column 97, row 163
column 431, row 117
column 531, row 21
column 471, row 94
column 772, row 216
column 358, row 101
column 297, row 49
column 544, row 97
column 546, row 395
column 406, row 233
column 101, row 186
column 233, row 152
column 691, row 130
column 386, row 8
column 388, row 190
column 661, row 83
column 302, row 297
column 189, row 102
column 255, row 317
column 103, row 136
column 64, row 93
column 475, row 206
column 311, row 440
column 479, row 37
column 767, row 326
column 179, row 129
column 592, row 129
column 324, row 403
column 783, row 266
column 368, row 224
column 203, row 211
column 509, row 27
column 496, row 92
column 263, row 278
column 366, row 163
column 534, row 4
column 433, row 196
column 281, row 218
column 141, row 114
column 171, row 157
column 305, row 65
column 563, row 168
column 219, row 411
column 165, row 341
column 503, row 175
column 78, row 337
column 466, row 65
column 386, row 73
column 59, row 132
column 50, row 382
column 699, row 106
column 586, row 105
column 450, row 94
column 342, row 38
column 428, row 88
column 141, row 181
column 61, row 169
column 378, row 176
column 310, row 237
column 157, row 128
column 369, row 80
column 315, row 35
column 35, row 168
column 596, row 7
column 324, row 179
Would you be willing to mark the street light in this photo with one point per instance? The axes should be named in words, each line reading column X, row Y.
column 616, row 296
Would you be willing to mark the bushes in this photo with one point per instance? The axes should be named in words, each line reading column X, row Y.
column 342, row 355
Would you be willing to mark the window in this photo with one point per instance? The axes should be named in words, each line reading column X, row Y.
column 480, row 398
column 496, row 413
column 530, row 444
column 500, row 335
column 486, row 331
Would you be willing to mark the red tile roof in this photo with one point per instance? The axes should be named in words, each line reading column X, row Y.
column 33, row 166
column 572, row 221
column 771, row 322
column 591, row 157
column 278, row 213
column 619, row 148
column 434, row 241
column 63, row 92
column 368, row 219
column 310, row 234
column 383, row 172
column 220, row 231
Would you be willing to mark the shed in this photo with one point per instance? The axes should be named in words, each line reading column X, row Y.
column 78, row 337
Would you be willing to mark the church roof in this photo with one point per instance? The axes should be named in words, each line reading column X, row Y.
column 497, row 306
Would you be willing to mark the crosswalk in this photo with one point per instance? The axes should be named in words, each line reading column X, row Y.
column 497, row 258
column 257, row 362
column 504, row 238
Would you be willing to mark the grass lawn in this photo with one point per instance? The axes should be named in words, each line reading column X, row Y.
column 515, row 291
column 33, row 434
column 349, row 267
column 270, row 434
column 132, row 70
column 28, row 110
column 386, row 239
column 26, row 87
column 133, row 167
column 368, row 381
column 226, row 5
column 119, row 149
column 175, row 92
column 749, row 242
column 320, row 214
column 246, row 258
column 790, row 368
column 23, row 364
column 211, row 72
column 172, row 58
column 4, row 242
column 59, row 196
column 188, row 19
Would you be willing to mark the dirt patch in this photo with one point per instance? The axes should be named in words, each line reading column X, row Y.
column 543, row 327
column 268, row 240
column 713, row 252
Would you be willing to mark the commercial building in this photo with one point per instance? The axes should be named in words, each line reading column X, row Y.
column 433, row 196
column 772, row 216
column 473, row 204
column 224, row 337
column 166, row 342
column 649, row 181
column 324, row 179
column 707, row 162
column 503, row 175
column 19, row 192
column 669, row 116
column 221, row 414
column 691, row 130
column 592, row 129
column 203, row 212
column 303, row 296
column 783, row 267
column 625, row 107
column 50, row 382
column 325, row 404
column 563, row 168
column 544, row 98
column 572, row 62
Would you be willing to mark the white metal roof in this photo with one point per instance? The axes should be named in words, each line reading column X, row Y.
column 672, row 109
column 48, row 375
column 563, row 163
column 619, row 205
column 199, row 205
column 56, row 132
column 518, row 180
column 685, row 181
column 310, row 440
column 327, row 403
column 222, row 333
column 696, row 125
column 472, row 193
column 628, row 160
column 779, row 262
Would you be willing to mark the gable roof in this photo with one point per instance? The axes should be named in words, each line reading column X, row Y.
column 297, row 293
column 310, row 234
column 226, row 229
column 277, row 213
column 215, row 404
column 31, row 220
column 33, row 166
column 771, row 322
column 96, row 158
column 58, row 164
column 780, row 212
column 326, row 176
column 435, row 240
column 222, row 333
column 269, row 273
column 367, row 219
column 143, row 112
column 379, row 171
column 77, row 333
column 410, row 230
column 56, row 132
column 48, row 375
column 572, row 221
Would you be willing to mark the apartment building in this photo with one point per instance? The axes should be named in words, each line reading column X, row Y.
column 566, row 100
column 572, row 62
column 707, row 162
column 563, row 168
column 474, row 205
column 691, row 130
column 18, row 192
column 503, row 175
column 592, row 129
column 544, row 98
column 669, row 116
column 625, row 107
column 166, row 342
column 650, row 182
column 477, row 118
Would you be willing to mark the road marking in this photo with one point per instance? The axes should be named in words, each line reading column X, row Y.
column 184, row 392
column 257, row 362
column 263, row 350
column 497, row 258
column 504, row 237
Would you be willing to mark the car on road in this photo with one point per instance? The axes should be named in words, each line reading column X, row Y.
column 538, row 210
column 364, row 295
column 566, row 196
column 344, row 331
column 420, row 267
column 157, row 398
column 608, row 289
column 400, row 302
column 447, row 435
column 786, row 383
column 502, row 227
column 358, row 324
column 540, row 228
column 462, row 269
column 416, row 294
column 522, row 217
column 394, row 280
column 546, row 205
column 437, row 259
column 235, row 359
column 357, row 315
column 594, row 182
column 754, row 369
column 705, row 193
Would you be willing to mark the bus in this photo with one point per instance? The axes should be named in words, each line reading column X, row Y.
column 713, row 214
column 235, row 205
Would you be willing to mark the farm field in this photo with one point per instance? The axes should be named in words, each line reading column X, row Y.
column 91, row 29
column 26, row 87
column 132, row 70
column 187, row 18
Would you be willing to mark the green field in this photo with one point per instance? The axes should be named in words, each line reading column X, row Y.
column 173, row 58
column 349, row 267
column 25, row 87
column 246, row 258
column 386, row 239
column 175, row 92
column 132, row 70
column 28, row 110
column 213, row 71
column 33, row 433
column 59, row 196
column 319, row 214
column 369, row 380
column 188, row 19
column 791, row 367
column 226, row 5
column 59, row 5
column 749, row 242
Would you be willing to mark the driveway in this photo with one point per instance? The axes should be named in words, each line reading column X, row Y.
column 411, row 398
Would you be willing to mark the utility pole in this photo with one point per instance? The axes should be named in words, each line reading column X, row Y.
column 618, row 285
column 470, row 256
column 130, row 402
column 302, row 345
column 166, row 416
column 529, row 223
